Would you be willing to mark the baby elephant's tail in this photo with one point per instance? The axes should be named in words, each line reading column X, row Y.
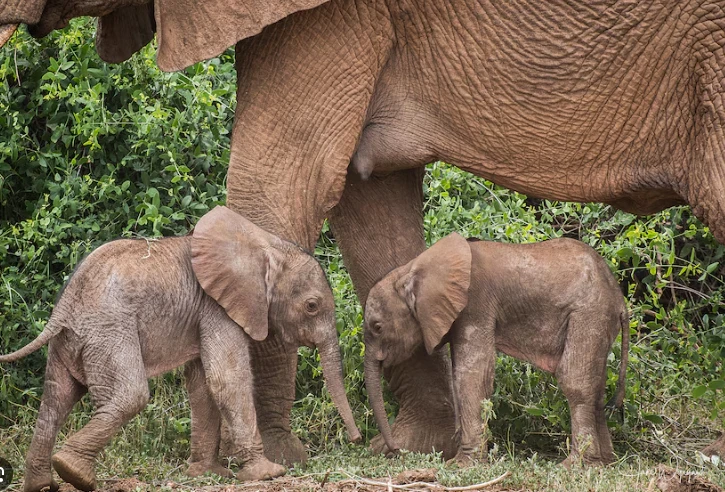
column 49, row 332
column 618, row 399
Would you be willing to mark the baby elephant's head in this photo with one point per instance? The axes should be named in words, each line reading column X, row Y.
column 267, row 284
column 413, row 305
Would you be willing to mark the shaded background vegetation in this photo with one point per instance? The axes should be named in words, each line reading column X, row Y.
column 90, row 152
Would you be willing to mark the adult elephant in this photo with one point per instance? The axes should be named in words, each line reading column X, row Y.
column 341, row 103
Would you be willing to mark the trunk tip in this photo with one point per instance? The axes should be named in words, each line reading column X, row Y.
column 354, row 435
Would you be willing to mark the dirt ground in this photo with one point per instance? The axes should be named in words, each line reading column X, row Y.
column 667, row 480
column 281, row 484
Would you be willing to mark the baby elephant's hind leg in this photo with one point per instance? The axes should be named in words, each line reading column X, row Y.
column 116, row 379
column 582, row 378
column 60, row 392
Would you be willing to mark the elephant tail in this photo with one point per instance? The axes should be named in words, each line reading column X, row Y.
column 617, row 400
column 51, row 330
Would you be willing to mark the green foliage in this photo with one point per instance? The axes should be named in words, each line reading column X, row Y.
column 90, row 152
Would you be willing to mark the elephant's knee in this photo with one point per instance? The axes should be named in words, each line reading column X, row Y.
column 136, row 402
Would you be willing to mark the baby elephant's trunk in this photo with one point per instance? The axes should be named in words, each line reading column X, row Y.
column 375, row 394
column 618, row 399
column 332, row 372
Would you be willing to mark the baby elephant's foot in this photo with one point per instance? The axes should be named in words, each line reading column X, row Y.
column 260, row 469
column 572, row 461
column 579, row 461
column 36, row 484
column 74, row 469
column 463, row 460
column 198, row 468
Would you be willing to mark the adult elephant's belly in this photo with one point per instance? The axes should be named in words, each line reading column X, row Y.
column 611, row 137
column 597, row 108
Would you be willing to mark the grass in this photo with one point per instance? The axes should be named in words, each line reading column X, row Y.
column 153, row 449
column 529, row 470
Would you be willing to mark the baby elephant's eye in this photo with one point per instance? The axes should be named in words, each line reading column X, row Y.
column 311, row 306
column 377, row 328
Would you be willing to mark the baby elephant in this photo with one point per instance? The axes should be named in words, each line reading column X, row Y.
column 135, row 309
column 554, row 304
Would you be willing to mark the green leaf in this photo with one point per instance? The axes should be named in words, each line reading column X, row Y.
column 654, row 418
column 716, row 384
column 698, row 391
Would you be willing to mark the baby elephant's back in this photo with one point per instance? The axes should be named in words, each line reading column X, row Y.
column 564, row 272
column 130, row 278
column 545, row 295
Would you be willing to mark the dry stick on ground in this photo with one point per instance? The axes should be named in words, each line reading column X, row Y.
column 411, row 486
column 324, row 480
column 481, row 485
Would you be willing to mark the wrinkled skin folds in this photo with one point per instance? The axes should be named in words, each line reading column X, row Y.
column 135, row 309
column 340, row 105
column 6, row 32
column 554, row 304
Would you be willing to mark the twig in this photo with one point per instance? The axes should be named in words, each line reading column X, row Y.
column 412, row 486
column 481, row 485
column 678, row 286
column 324, row 480
column 17, row 74
column 658, row 271
column 388, row 485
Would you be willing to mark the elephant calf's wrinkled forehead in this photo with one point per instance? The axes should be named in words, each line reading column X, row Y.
column 307, row 275
column 383, row 301
column 306, row 264
column 375, row 301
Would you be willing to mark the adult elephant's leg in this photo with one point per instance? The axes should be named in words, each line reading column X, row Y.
column 705, row 186
column 302, row 99
column 378, row 224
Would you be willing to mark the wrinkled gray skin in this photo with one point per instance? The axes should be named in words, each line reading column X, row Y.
column 554, row 304
column 135, row 309
column 615, row 101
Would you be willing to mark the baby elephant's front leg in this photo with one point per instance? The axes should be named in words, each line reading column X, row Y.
column 226, row 362
column 205, row 424
column 473, row 354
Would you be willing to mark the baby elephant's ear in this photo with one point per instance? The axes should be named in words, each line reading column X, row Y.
column 234, row 261
column 436, row 287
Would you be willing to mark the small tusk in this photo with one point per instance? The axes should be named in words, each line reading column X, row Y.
column 5, row 32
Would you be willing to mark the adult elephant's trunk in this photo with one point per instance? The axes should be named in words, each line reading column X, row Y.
column 6, row 31
column 375, row 394
column 332, row 372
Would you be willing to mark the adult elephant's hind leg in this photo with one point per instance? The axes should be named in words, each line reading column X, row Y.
column 378, row 224
column 705, row 192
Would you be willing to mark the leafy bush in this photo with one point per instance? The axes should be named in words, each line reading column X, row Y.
column 90, row 152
